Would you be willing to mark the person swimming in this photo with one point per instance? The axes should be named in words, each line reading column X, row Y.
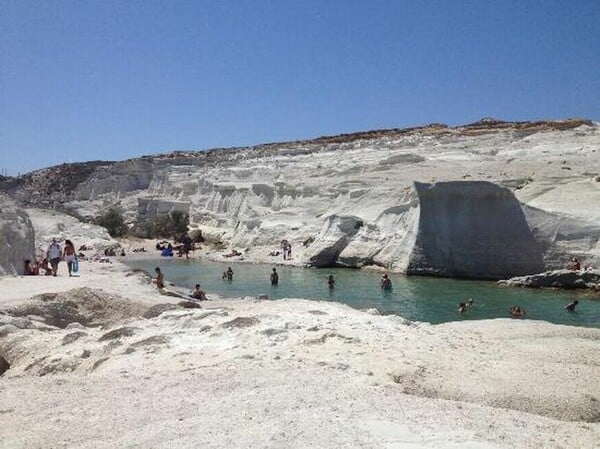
column 386, row 283
column 331, row 281
column 274, row 277
column 462, row 307
column 571, row 306
column 516, row 312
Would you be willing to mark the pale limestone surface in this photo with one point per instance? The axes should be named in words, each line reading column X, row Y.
column 289, row 373
column 16, row 237
column 49, row 224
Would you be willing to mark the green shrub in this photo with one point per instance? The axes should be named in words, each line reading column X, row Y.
column 113, row 221
column 171, row 226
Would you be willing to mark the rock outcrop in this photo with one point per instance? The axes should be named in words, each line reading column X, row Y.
column 567, row 279
column 472, row 229
column 49, row 224
column 491, row 199
column 17, row 237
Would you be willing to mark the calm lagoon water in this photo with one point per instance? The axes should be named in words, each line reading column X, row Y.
column 434, row 300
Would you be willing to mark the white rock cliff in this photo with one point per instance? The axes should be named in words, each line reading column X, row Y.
column 486, row 200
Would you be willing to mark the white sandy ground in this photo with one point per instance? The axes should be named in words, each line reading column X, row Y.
column 290, row 373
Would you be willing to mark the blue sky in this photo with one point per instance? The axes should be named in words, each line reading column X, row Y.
column 85, row 80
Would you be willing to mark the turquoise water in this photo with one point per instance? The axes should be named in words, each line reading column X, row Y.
column 434, row 300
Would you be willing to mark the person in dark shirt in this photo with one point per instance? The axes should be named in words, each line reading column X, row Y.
column 571, row 306
column 274, row 277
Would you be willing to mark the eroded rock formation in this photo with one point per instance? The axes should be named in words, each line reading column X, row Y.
column 17, row 238
column 491, row 199
column 472, row 229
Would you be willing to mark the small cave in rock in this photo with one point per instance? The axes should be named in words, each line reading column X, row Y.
column 4, row 365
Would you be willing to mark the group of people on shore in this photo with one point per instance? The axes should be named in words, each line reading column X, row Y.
column 50, row 261
column 166, row 248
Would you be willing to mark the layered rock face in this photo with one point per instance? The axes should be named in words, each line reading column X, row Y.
column 472, row 229
column 17, row 238
column 486, row 200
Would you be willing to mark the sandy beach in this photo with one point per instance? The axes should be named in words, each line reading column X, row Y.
column 289, row 373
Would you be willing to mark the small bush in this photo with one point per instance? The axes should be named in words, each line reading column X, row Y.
column 113, row 221
column 171, row 226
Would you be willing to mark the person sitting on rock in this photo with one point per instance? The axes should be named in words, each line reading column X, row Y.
column 30, row 269
column 199, row 294
column 44, row 266
column 574, row 265
column 571, row 306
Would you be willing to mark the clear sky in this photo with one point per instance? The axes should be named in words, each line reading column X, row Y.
column 83, row 80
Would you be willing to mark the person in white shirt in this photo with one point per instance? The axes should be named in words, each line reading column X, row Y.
column 54, row 254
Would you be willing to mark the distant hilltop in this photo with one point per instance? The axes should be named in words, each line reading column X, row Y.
column 52, row 186
column 485, row 125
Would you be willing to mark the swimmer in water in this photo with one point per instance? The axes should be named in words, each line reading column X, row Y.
column 571, row 306
column 386, row 283
column 331, row 281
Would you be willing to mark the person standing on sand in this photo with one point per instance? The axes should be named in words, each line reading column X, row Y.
column 54, row 252
column 69, row 255
column 187, row 245
column 274, row 277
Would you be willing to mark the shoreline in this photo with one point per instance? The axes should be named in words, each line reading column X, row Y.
column 208, row 253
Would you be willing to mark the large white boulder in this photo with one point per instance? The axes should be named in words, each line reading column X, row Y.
column 17, row 239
